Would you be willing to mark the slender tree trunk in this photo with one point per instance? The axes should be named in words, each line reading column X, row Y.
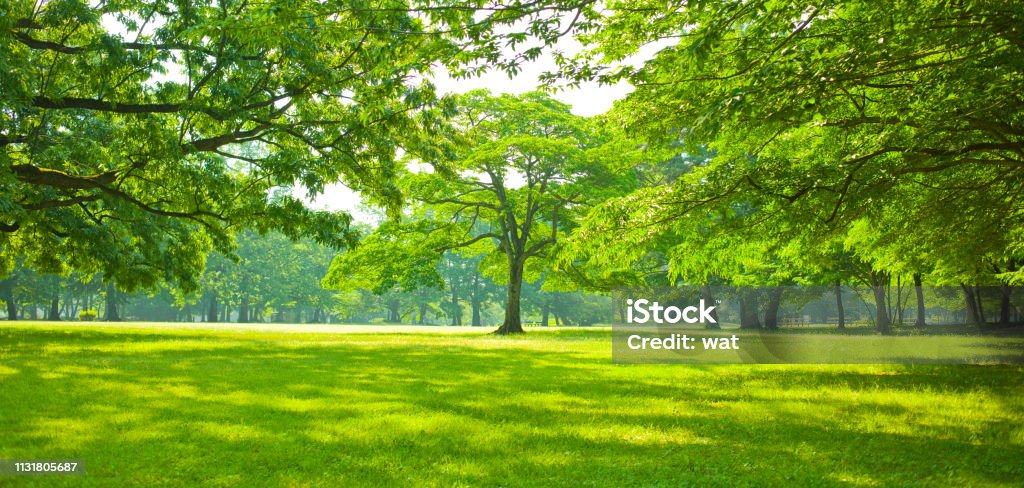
column 7, row 295
column 477, row 302
column 748, row 310
column 545, row 311
column 393, row 315
column 243, row 310
column 477, row 317
column 841, row 321
column 54, row 309
column 771, row 315
column 112, row 313
column 1004, row 304
column 919, row 290
column 211, row 313
column 879, row 285
column 981, row 305
column 899, row 300
column 970, row 306
column 423, row 313
column 513, row 323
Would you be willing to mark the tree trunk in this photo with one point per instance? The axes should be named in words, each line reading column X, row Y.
column 771, row 315
column 423, row 313
column 919, row 290
column 1004, row 304
column 54, row 309
column 112, row 313
column 456, row 308
column 748, row 310
column 971, row 317
column 981, row 305
column 211, row 313
column 840, row 312
column 243, row 310
column 7, row 295
column 709, row 298
column 899, row 301
column 477, row 317
column 879, row 284
column 476, row 302
column 393, row 316
column 513, row 323
column 545, row 311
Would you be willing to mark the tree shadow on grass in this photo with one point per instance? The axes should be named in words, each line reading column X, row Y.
column 196, row 409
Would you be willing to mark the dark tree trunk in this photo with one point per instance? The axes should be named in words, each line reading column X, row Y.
column 513, row 323
column 7, row 295
column 545, row 311
column 33, row 312
column 981, row 305
column 879, row 285
column 970, row 305
column 1004, row 304
column 840, row 312
column 919, row 290
column 477, row 317
column 211, row 313
column 748, row 310
column 393, row 315
column 709, row 298
column 423, row 314
column 899, row 301
column 243, row 310
column 771, row 315
column 112, row 314
column 54, row 309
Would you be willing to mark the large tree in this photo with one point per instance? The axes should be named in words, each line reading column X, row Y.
column 528, row 170
column 136, row 135
column 827, row 121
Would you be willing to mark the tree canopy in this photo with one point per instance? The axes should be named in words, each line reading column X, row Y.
column 528, row 171
column 137, row 134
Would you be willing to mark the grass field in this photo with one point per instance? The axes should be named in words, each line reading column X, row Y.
column 191, row 407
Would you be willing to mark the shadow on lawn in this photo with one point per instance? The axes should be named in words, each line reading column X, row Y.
column 190, row 409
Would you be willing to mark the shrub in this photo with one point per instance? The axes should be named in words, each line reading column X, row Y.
column 87, row 315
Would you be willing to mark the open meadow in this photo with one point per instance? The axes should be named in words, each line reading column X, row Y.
column 169, row 406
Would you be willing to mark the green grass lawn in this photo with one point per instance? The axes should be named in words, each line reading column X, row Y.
column 259, row 408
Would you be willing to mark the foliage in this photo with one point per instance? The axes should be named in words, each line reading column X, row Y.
column 843, row 139
column 136, row 135
column 530, row 168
